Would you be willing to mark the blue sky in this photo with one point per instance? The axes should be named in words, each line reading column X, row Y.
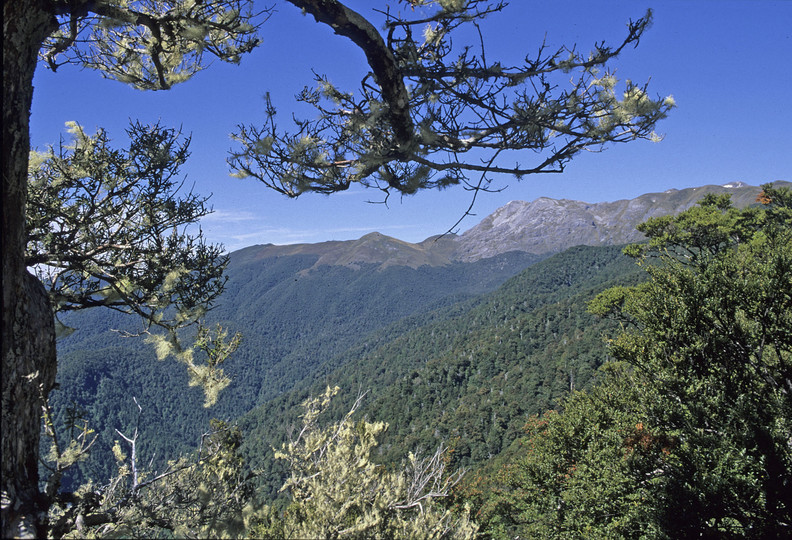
column 726, row 63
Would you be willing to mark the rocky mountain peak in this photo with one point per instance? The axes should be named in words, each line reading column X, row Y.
column 547, row 225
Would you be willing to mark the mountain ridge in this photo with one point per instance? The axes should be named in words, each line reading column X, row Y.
column 541, row 227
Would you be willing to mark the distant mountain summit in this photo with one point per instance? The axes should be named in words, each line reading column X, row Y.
column 372, row 248
column 542, row 227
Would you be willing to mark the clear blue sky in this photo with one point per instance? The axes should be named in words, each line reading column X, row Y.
column 728, row 65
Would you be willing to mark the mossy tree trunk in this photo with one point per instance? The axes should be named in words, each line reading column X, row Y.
column 28, row 334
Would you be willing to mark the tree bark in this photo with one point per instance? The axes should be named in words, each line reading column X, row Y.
column 28, row 333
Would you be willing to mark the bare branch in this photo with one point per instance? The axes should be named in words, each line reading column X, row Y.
column 428, row 480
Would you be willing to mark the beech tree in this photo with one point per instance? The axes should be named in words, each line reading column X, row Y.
column 428, row 114
column 713, row 336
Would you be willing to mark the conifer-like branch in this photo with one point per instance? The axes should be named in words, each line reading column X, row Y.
column 430, row 112
column 152, row 45
column 114, row 228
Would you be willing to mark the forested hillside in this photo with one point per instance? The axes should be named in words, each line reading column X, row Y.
column 293, row 317
column 683, row 412
column 686, row 435
column 468, row 375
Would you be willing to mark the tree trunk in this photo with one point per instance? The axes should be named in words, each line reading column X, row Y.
column 28, row 334
column 350, row 24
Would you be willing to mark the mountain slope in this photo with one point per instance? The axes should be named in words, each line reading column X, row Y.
column 308, row 310
column 543, row 227
column 294, row 314
column 468, row 375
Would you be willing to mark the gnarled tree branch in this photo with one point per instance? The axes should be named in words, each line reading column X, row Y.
column 430, row 112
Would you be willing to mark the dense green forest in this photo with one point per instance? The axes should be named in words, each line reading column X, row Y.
column 469, row 374
column 294, row 318
column 531, row 337
column 467, row 371
column 687, row 432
